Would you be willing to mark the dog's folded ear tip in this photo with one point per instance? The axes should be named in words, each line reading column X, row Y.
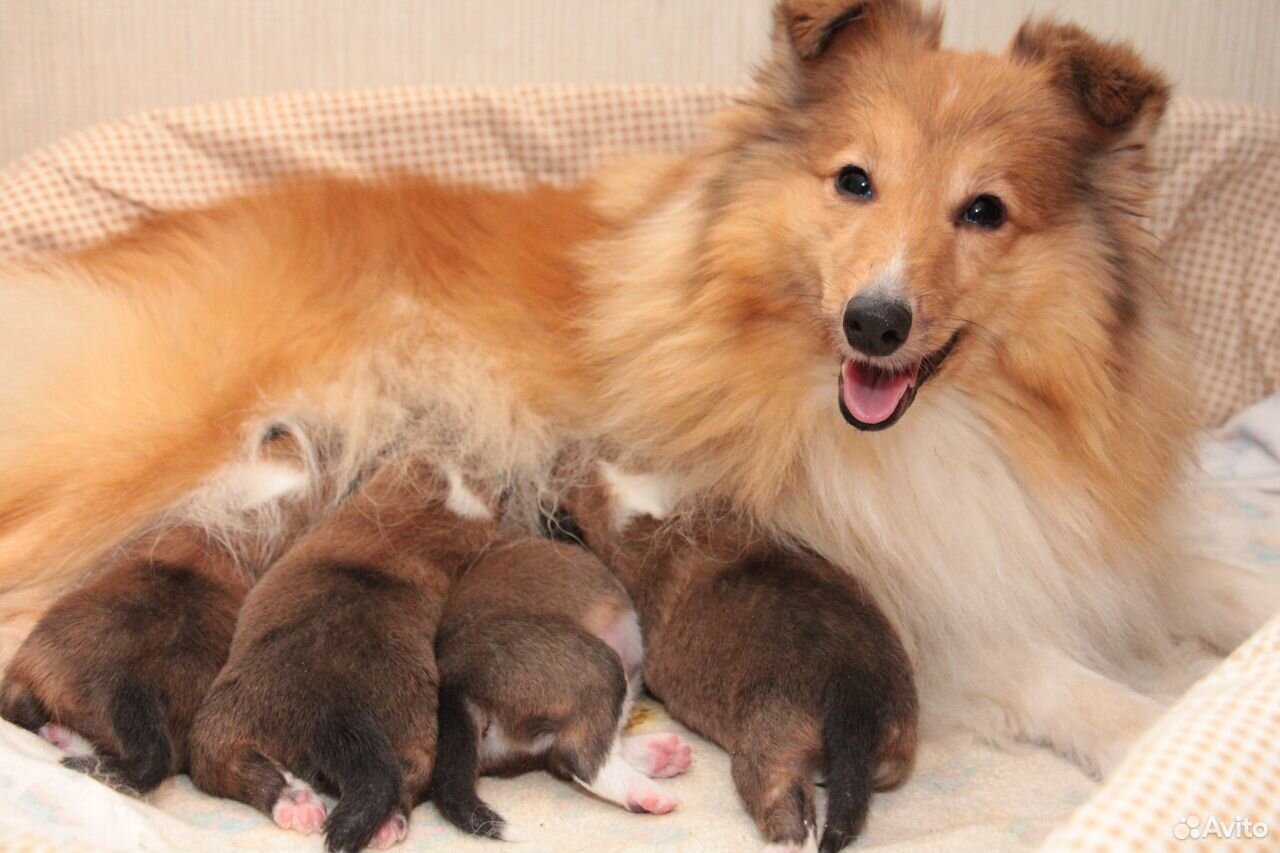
column 812, row 26
column 1112, row 83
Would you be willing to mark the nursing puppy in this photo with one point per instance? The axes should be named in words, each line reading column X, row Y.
column 331, row 680
column 540, row 654
column 776, row 655
column 114, row 672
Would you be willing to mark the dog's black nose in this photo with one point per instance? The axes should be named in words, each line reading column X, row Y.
column 876, row 324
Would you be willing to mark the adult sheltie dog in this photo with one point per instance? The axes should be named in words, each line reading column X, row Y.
column 901, row 306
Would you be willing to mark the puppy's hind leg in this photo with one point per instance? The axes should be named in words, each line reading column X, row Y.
column 777, row 790
column 19, row 705
column 658, row 756
column 781, row 803
column 589, row 748
column 618, row 782
column 250, row 777
column 351, row 751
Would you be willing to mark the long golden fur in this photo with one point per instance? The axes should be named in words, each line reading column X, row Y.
column 1021, row 523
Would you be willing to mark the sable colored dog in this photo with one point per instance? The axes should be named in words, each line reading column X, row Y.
column 900, row 306
column 331, row 680
column 775, row 654
column 540, row 653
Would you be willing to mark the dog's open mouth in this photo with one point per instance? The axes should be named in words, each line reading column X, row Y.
column 873, row 398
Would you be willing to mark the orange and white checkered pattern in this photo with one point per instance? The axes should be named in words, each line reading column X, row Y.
column 1218, row 210
column 1206, row 778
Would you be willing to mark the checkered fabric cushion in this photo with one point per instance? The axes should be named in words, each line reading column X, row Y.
column 1206, row 779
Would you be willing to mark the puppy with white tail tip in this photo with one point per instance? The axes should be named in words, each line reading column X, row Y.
column 774, row 654
column 540, row 656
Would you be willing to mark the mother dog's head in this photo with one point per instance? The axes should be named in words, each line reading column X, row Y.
column 931, row 198
column 881, row 217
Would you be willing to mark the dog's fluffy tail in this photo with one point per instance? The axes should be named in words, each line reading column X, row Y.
column 352, row 751
column 128, row 378
column 107, row 420
column 457, row 767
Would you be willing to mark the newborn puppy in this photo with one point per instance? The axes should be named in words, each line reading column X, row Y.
column 331, row 681
column 774, row 654
column 540, row 656
column 114, row 671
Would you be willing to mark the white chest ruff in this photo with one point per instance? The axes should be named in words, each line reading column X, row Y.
column 956, row 550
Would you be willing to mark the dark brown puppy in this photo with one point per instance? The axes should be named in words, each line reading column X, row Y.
column 540, row 656
column 114, row 671
column 331, row 680
column 774, row 654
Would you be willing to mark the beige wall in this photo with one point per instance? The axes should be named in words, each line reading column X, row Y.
column 68, row 63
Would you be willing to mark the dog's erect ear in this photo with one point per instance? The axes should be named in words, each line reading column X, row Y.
column 1117, row 91
column 812, row 27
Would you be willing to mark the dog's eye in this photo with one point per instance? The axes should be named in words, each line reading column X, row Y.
column 854, row 181
column 985, row 211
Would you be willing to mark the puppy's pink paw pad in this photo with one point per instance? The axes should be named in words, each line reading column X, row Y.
column 299, row 809
column 393, row 830
column 659, row 756
column 653, row 801
column 65, row 739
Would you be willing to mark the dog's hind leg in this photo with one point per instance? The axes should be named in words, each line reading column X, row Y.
column 618, row 782
column 139, row 721
column 353, row 752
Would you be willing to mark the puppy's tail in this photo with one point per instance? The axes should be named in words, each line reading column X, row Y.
column 146, row 753
column 351, row 750
column 868, row 739
column 453, row 779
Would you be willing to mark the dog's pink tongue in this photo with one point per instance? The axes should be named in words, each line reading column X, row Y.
column 871, row 395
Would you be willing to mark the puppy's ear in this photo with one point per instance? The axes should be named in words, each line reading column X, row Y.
column 813, row 28
column 1116, row 90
